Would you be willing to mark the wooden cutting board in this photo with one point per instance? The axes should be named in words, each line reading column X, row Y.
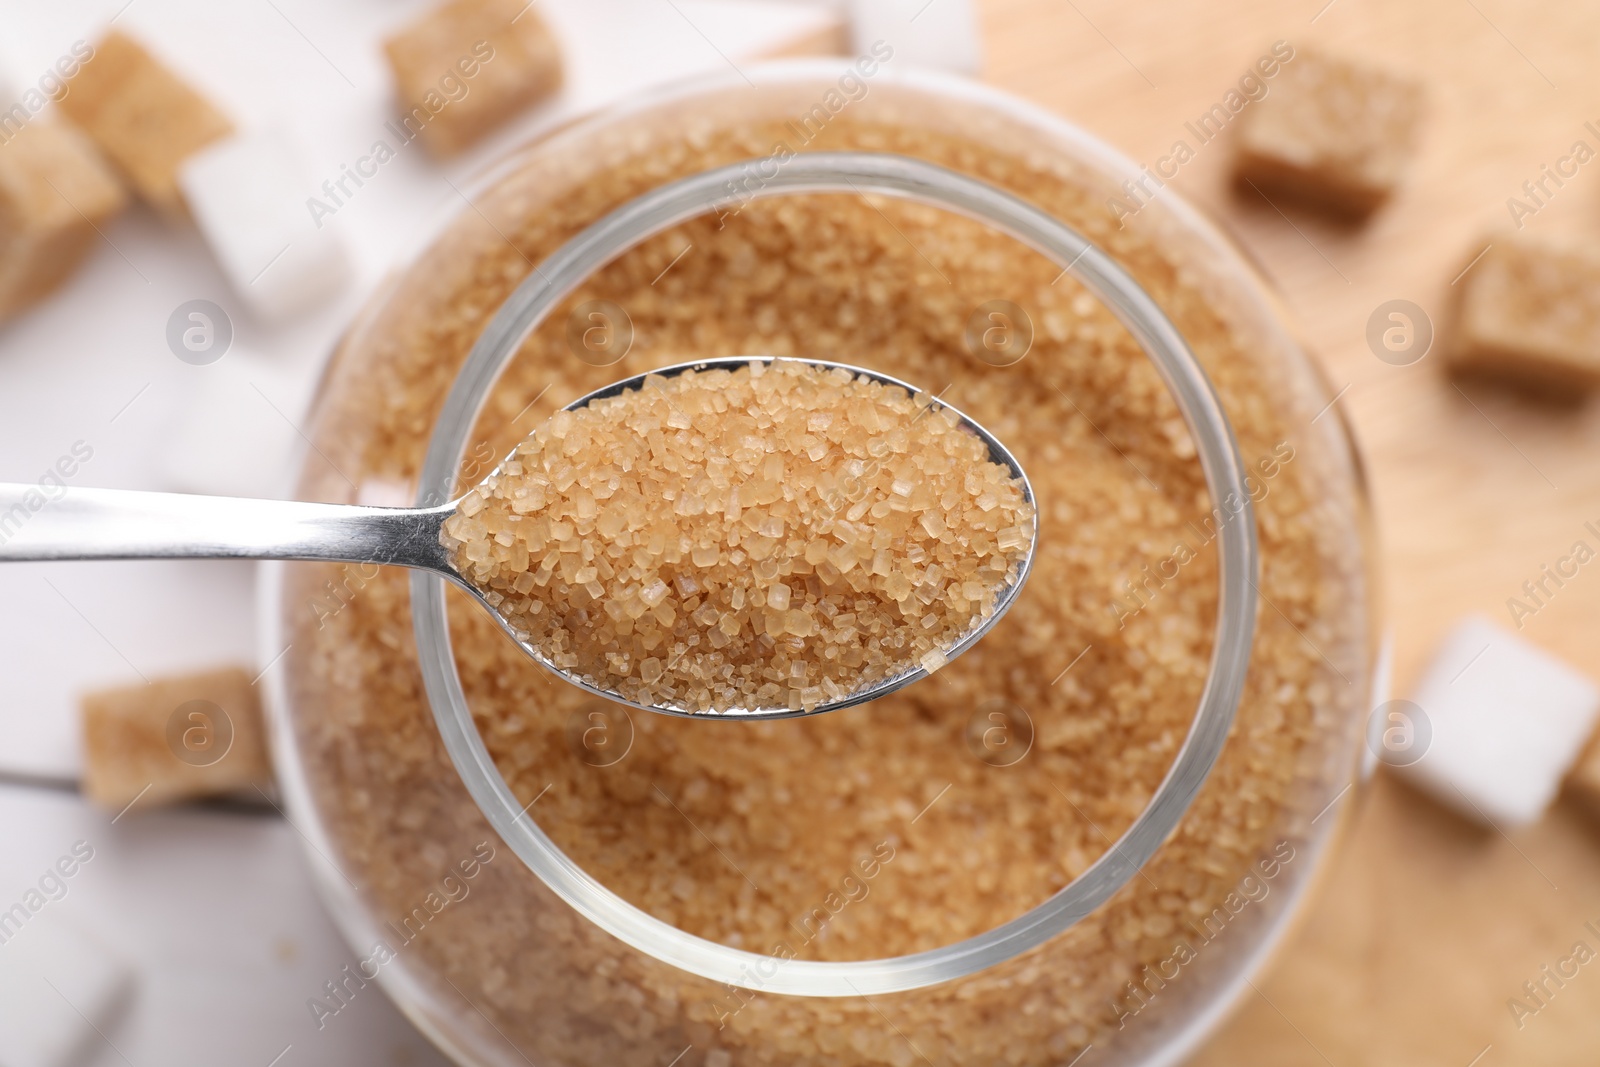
column 1424, row 927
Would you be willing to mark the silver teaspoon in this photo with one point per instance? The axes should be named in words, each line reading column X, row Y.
column 105, row 524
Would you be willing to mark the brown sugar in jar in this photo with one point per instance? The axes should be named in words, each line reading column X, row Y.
column 908, row 823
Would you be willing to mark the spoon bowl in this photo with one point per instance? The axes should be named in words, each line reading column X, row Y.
column 1005, row 597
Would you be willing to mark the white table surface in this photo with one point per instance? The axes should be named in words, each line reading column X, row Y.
column 215, row 910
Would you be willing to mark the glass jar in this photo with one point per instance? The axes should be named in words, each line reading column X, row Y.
column 1041, row 848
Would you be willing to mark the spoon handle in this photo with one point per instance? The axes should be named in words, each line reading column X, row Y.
column 49, row 523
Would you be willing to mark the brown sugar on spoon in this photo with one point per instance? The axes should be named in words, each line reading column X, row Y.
column 774, row 535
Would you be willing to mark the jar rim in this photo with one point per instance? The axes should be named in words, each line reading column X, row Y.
column 919, row 181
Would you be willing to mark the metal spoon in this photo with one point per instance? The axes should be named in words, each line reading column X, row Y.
column 85, row 524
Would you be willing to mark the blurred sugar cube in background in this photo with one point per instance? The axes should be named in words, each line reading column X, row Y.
column 249, row 197
column 1529, row 313
column 465, row 67
column 143, row 116
column 1333, row 132
column 55, row 194
column 174, row 738
column 1507, row 721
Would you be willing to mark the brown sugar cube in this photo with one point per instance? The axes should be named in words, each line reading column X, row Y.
column 1584, row 780
column 469, row 65
column 1529, row 312
column 54, row 191
column 189, row 736
column 144, row 118
column 1330, row 131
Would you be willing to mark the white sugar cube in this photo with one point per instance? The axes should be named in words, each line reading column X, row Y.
column 1507, row 721
column 237, row 435
column 924, row 33
column 249, row 199
column 58, row 986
